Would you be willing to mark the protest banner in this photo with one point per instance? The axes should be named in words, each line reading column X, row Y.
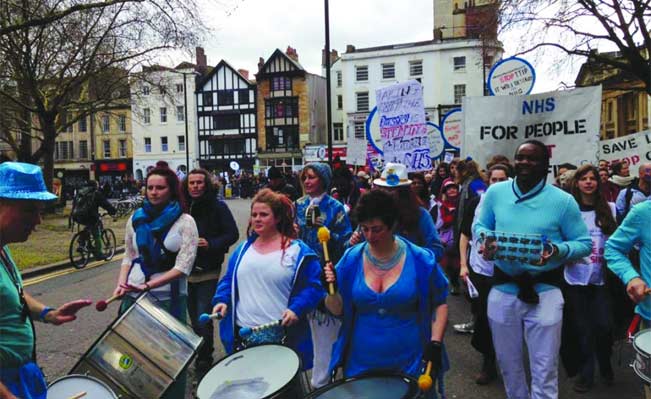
column 511, row 77
column 403, row 127
column 633, row 148
column 356, row 151
column 436, row 141
column 566, row 121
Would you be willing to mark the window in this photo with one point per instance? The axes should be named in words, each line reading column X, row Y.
column 285, row 108
column 338, row 130
column 180, row 113
column 225, row 97
column 163, row 114
column 243, row 96
column 362, row 101
column 416, row 68
column 281, row 83
column 360, row 129
column 179, row 88
column 106, row 124
column 146, row 115
column 122, row 149
column 163, row 144
column 66, row 120
column 459, row 63
column 339, row 79
column 122, row 123
column 388, row 71
column 146, row 90
column 610, row 111
column 83, row 149
column 226, row 121
column 181, row 142
column 83, row 126
column 340, row 102
column 63, row 150
column 107, row 148
column 459, row 93
column 207, row 99
column 361, row 73
column 147, row 144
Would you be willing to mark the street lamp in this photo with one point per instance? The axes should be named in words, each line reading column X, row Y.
column 185, row 116
column 328, row 89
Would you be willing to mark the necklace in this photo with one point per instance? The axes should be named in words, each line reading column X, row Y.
column 386, row 264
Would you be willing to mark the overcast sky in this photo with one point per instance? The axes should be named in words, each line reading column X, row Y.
column 244, row 30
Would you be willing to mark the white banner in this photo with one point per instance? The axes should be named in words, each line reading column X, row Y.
column 633, row 148
column 401, row 113
column 566, row 121
column 356, row 154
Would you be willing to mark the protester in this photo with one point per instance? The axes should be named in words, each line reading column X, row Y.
column 23, row 197
column 560, row 171
column 448, row 208
column 343, row 184
column 525, row 303
column 217, row 232
column 85, row 211
column 442, row 173
column 478, row 272
column 278, row 184
column 608, row 189
column 621, row 175
column 391, row 295
column 638, row 191
column 160, row 249
column 420, row 189
column 588, row 313
column 271, row 276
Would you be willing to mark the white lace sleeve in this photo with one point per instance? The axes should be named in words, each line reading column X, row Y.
column 189, row 242
column 130, row 251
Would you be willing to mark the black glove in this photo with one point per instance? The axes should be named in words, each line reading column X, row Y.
column 432, row 354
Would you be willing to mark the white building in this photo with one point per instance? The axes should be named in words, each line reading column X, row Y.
column 159, row 96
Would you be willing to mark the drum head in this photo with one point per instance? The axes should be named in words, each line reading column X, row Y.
column 371, row 387
column 642, row 341
column 254, row 373
column 71, row 385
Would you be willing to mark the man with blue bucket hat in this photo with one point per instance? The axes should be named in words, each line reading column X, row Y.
column 22, row 198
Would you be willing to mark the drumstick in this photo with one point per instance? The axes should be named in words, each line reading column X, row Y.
column 324, row 236
column 79, row 395
column 205, row 317
column 425, row 380
column 101, row 305
column 246, row 331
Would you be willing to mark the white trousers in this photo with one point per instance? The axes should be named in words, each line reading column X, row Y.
column 325, row 330
column 513, row 321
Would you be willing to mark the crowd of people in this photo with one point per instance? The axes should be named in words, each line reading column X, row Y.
column 556, row 267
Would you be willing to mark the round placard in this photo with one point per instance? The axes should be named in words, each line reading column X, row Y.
column 511, row 77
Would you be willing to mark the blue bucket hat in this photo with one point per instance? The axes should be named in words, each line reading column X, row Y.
column 23, row 181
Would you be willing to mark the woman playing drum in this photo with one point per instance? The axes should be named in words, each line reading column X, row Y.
column 391, row 297
column 272, row 276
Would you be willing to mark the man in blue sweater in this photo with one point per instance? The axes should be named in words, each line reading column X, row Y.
column 525, row 302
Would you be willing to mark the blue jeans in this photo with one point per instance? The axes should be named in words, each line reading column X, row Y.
column 199, row 301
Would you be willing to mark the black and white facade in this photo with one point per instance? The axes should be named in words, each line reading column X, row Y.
column 226, row 119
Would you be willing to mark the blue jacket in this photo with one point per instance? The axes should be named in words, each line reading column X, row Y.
column 633, row 230
column 432, row 292
column 306, row 293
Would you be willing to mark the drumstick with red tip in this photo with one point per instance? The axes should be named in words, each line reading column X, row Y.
column 205, row 317
column 101, row 305
column 324, row 236
column 246, row 331
column 425, row 380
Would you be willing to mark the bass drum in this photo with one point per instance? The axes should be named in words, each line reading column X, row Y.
column 376, row 386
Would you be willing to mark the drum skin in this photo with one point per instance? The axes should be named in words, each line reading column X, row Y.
column 371, row 385
column 71, row 385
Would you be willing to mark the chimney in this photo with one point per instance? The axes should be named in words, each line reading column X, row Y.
column 291, row 53
column 201, row 60
column 334, row 56
column 350, row 48
column 244, row 73
column 260, row 64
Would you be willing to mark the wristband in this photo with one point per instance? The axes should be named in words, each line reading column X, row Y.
column 44, row 313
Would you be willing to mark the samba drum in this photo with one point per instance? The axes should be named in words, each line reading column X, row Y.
column 376, row 386
column 142, row 353
column 72, row 386
column 264, row 371
column 642, row 363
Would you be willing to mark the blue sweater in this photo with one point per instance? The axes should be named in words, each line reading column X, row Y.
column 544, row 210
column 306, row 293
column 633, row 230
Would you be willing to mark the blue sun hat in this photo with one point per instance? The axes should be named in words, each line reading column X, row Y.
column 393, row 175
column 23, row 181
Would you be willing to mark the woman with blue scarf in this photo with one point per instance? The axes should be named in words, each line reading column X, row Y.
column 161, row 245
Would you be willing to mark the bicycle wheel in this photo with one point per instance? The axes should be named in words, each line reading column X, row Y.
column 108, row 244
column 80, row 251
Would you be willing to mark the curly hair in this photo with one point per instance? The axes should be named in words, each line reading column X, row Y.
column 377, row 204
column 172, row 182
column 283, row 210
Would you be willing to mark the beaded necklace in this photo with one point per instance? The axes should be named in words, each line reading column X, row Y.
column 387, row 264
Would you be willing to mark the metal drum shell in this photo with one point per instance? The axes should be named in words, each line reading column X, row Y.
column 413, row 392
column 642, row 363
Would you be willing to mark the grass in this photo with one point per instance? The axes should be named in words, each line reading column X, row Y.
column 51, row 241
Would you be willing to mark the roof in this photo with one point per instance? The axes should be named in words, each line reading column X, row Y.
column 279, row 53
column 223, row 63
column 392, row 46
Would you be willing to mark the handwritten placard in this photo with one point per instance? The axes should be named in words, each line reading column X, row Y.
column 511, row 77
column 453, row 128
column 402, row 125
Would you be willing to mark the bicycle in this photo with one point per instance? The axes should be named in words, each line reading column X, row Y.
column 82, row 245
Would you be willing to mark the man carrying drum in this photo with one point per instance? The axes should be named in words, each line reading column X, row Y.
column 22, row 198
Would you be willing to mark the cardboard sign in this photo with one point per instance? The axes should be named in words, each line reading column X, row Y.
column 511, row 77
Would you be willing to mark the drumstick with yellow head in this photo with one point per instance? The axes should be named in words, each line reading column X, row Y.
column 425, row 380
column 324, row 236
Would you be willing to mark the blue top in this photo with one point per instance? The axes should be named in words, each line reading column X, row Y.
column 633, row 230
column 545, row 210
column 637, row 196
column 386, row 333
column 431, row 289
column 305, row 294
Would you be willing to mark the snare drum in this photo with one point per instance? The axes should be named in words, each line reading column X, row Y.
column 378, row 386
column 265, row 371
column 72, row 385
column 642, row 364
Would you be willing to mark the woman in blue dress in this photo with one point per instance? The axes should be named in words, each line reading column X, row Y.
column 391, row 297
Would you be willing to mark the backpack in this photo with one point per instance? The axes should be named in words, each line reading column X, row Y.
column 85, row 208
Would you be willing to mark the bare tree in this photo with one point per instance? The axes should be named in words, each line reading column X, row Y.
column 578, row 28
column 52, row 75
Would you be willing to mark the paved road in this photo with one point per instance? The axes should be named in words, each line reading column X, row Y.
column 59, row 348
